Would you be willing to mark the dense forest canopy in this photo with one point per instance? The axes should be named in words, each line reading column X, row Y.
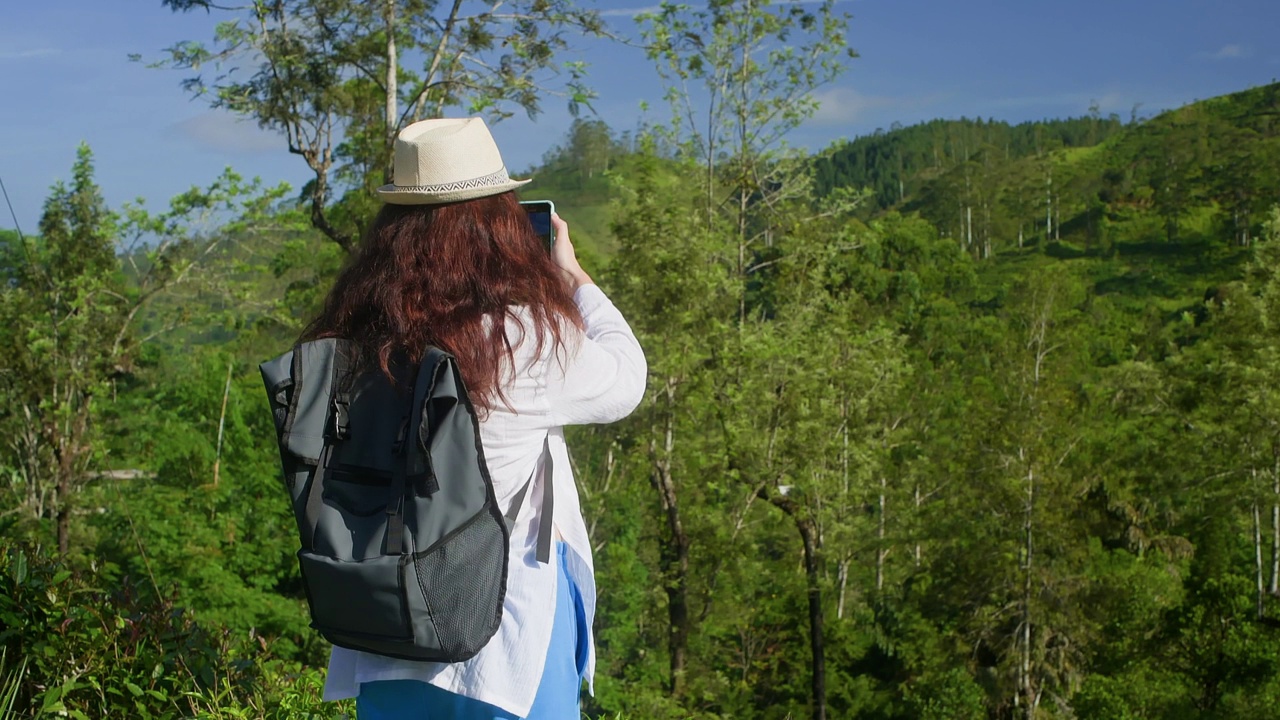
column 904, row 158
column 959, row 420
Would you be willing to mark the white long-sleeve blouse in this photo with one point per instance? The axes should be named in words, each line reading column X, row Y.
column 597, row 377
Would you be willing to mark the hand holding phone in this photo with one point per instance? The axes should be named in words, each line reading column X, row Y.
column 539, row 213
column 554, row 233
column 565, row 257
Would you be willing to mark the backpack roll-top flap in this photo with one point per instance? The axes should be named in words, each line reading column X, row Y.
column 277, row 376
column 312, row 368
column 361, row 470
column 377, row 414
column 278, row 379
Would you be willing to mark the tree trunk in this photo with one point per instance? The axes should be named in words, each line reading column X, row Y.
column 1275, row 533
column 968, row 224
column 1057, row 218
column 72, row 449
column 744, row 152
column 881, row 550
column 918, row 500
column 986, row 230
column 842, row 571
column 1030, row 695
column 64, row 513
column 1257, row 560
column 1028, row 687
column 742, row 258
column 842, row 579
column 393, row 90
column 222, row 423
column 812, row 574
column 1048, row 208
column 812, row 543
column 319, row 195
column 674, row 550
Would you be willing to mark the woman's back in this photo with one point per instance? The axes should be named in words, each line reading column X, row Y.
column 452, row 262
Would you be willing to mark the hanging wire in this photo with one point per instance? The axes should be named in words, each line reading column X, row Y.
column 11, row 212
column 22, row 239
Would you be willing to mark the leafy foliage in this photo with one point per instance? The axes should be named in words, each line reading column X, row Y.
column 896, row 461
column 338, row 78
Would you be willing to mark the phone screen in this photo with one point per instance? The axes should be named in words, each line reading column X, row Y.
column 539, row 212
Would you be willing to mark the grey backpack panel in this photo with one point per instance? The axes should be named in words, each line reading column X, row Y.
column 304, row 431
column 404, row 550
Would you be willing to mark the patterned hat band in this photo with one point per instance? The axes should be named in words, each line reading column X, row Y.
column 490, row 180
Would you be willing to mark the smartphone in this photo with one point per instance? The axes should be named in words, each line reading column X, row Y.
column 539, row 212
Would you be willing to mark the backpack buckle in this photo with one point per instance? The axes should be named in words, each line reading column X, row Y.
column 341, row 416
column 401, row 435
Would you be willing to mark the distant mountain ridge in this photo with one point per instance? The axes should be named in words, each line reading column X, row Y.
column 1212, row 166
column 895, row 164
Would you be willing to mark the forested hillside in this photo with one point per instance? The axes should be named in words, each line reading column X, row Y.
column 899, row 162
column 962, row 420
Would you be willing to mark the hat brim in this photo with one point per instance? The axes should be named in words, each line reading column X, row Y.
column 397, row 195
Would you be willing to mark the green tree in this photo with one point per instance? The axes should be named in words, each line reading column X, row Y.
column 63, row 314
column 758, row 65
column 338, row 78
column 72, row 314
column 662, row 244
column 812, row 435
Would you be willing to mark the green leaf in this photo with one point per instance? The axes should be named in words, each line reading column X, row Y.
column 20, row 568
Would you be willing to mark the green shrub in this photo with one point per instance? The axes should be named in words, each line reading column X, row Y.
column 89, row 652
column 96, row 652
column 10, row 681
column 284, row 691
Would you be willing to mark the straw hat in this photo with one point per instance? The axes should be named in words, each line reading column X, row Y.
column 446, row 160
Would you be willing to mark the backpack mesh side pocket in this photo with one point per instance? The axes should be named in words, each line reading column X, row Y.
column 464, row 580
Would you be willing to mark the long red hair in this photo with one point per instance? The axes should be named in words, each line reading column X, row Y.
column 432, row 274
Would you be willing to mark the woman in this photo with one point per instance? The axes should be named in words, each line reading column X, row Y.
column 452, row 261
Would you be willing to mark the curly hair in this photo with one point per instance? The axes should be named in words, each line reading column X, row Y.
column 448, row 275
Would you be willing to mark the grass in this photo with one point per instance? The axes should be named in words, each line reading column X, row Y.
column 10, row 681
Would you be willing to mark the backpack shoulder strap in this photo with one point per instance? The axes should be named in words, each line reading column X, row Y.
column 548, row 503
column 433, row 362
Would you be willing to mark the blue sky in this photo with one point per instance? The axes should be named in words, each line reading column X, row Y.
column 65, row 77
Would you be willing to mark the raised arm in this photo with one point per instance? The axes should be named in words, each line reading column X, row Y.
column 602, row 379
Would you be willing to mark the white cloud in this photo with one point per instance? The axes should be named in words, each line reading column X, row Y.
column 841, row 105
column 844, row 105
column 1072, row 102
column 634, row 11
column 222, row 131
column 24, row 54
column 1232, row 51
column 630, row 12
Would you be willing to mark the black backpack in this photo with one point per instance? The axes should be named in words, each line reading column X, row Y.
column 404, row 549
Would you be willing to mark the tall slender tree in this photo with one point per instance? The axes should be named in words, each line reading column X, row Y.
column 71, row 312
column 339, row 78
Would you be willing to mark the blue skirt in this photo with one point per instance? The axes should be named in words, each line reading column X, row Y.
column 559, row 690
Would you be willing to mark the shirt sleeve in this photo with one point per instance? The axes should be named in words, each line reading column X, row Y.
column 602, row 379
